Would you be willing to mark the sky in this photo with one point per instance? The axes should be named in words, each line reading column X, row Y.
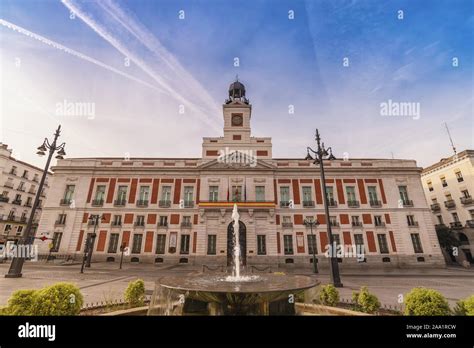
column 153, row 75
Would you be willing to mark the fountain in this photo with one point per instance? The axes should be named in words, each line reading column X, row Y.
column 236, row 294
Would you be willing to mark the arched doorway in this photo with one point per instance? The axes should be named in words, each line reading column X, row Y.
column 242, row 242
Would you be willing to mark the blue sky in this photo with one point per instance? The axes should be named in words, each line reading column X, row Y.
column 283, row 62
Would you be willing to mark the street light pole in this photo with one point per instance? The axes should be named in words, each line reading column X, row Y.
column 95, row 219
column 322, row 154
column 311, row 223
column 17, row 263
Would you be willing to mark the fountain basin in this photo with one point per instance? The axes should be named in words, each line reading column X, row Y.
column 217, row 295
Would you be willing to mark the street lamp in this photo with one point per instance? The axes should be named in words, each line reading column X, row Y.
column 313, row 223
column 322, row 154
column 89, row 247
column 17, row 262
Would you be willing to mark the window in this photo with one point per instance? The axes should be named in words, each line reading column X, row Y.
column 356, row 221
column 307, row 195
column 122, row 194
column 359, row 241
column 465, row 193
column 140, row 220
column 188, row 195
column 459, row 177
column 68, row 193
column 166, row 193
column 330, row 193
column 260, row 193
column 440, row 219
column 337, row 239
column 430, row 186
column 25, row 174
column 184, row 249
column 56, row 241
column 455, row 217
column 312, row 248
column 350, row 193
column 383, row 246
column 61, row 219
column 372, row 193
column 100, row 193
column 163, row 221
column 21, row 186
column 213, row 193
column 186, row 220
column 287, row 219
column 261, row 244
column 411, row 220
column 211, row 244
column 36, row 177
column 11, row 215
column 288, row 244
column 28, row 202
column 13, row 170
column 137, row 243
column 415, row 239
column 403, row 193
column 19, row 229
column 284, row 194
column 443, row 181
column 160, row 243
column 333, row 221
column 236, row 193
column 378, row 220
column 8, row 227
column 144, row 192
column 113, row 242
column 117, row 221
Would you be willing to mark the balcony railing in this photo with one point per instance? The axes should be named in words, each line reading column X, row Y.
column 17, row 202
column 450, row 203
column 407, row 203
column 4, row 199
column 120, row 202
column 142, row 203
column 375, row 203
column 334, row 223
column 353, row 204
column 332, row 202
column 188, row 204
column 65, row 201
column 286, row 224
column 470, row 223
column 466, row 200
column 435, row 207
column 116, row 223
column 284, row 204
column 59, row 223
column 163, row 224
column 97, row 202
column 456, row 225
column 21, row 189
column 308, row 204
column 8, row 185
column 139, row 224
column 413, row 224
column 186, row 224
column 28, row 205
column 92, row 223
column 379, row 224
column 164, row 204
column 356, row 224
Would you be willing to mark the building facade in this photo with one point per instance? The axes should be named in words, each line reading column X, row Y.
column 20, row 183
column 448, row 186
column 178, row 210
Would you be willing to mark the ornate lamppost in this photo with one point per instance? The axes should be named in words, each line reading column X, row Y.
column 313, row 223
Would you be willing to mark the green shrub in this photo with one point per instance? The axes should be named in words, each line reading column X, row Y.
column 21, row 302
column 4, row 311
column 423, row 301
column 364, row 301
column 58, row 299
column 329, row 295
column 135, row 293
column 465, row 306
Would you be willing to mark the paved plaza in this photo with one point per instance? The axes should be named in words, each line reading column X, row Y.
column 105, row 282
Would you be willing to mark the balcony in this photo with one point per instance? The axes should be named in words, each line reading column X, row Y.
column 4, row 199
column 332, row 202
column 28, row 204
column 21, row 189
column 413, row 224
column 466, row 200
column 121, row 202
column 435, row 207
column 139, row 224
column 17, row 202
column 379, row 224
column 450, row 204
column 308, row 204
column 59, row 223
column 407, row 203
column 164, row 204
column 92, row 223
column 353, row 204
column 286, row 224
column 186, row 224
column 116, row 223
column 142, row 203
column 97, row 202
column 356, row 224
column 456, row 225
column 9, row 185
column 188, row 204
column 284, row 204
column 470, row 223
column 163, row 224
column 334, row 223
column 65, row 201
column 375, row 203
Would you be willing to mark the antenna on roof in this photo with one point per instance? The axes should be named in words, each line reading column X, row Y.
column 450, row 139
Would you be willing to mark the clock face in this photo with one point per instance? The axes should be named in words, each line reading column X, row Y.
column 237, row 120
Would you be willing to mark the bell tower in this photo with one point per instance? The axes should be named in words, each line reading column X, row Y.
column 237, row 114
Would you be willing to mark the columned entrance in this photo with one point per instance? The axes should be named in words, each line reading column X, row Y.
column 231, row 243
